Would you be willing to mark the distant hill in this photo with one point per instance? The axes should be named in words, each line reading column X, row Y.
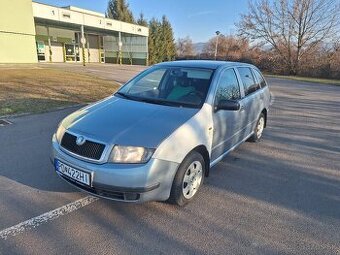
column 199, row 47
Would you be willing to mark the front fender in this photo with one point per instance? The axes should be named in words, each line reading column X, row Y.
column 195, row 132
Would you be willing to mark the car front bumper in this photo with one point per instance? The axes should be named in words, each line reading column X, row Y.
column 122, row 182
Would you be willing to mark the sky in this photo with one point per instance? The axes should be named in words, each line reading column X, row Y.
column 198, row 19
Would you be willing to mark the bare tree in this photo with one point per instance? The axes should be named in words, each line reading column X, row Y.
column 185, row 47
column 292, row 27
column 230, row 48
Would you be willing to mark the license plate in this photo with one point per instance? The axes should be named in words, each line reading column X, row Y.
column 72, row 173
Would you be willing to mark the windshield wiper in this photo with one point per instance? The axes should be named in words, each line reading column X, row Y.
column 155, row 101
column 167, row 103
column 125, row 95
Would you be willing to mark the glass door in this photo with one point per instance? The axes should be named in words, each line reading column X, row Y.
column 41, row 50
column 70, row 52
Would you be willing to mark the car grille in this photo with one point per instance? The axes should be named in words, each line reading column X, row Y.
column 89, row 149
column 109, row 194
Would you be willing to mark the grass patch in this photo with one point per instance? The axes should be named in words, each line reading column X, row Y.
column 25, row 90
column 306, row 79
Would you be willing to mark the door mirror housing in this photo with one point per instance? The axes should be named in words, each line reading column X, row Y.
column 228, row 105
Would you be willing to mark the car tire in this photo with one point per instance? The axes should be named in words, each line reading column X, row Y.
column 258, row 131
column 188, row 179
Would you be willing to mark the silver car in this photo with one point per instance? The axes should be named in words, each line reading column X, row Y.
column 157, row 138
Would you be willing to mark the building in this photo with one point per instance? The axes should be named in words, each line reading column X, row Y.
column 17, row 35
column 40, row 32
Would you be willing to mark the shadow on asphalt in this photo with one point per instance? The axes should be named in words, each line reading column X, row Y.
column 25, row 159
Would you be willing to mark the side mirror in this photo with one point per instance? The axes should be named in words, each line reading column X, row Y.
column 228, row 105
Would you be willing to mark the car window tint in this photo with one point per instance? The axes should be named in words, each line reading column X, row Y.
column 259, row 78
column 228, row 87
column 248, row 80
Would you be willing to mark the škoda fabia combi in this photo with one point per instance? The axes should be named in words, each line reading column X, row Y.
column 157, row 137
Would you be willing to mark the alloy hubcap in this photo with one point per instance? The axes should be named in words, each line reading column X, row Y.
column 192, row 179
column 260, row 127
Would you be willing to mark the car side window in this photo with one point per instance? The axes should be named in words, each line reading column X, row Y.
column 228, row 87
column 250, row 85
column 259, row 78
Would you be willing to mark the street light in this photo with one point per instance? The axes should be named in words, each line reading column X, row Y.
column 217, row 33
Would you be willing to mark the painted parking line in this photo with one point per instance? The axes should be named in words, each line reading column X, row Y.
column 46, row 217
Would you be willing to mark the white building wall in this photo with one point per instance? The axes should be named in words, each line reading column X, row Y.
column 43, row 11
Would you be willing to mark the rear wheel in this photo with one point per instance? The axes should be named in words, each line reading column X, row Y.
column 189, row 178
column 258, row 129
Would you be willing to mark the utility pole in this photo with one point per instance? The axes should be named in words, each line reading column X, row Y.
column 216, row 47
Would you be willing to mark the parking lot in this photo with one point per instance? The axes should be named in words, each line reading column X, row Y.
column 279, row 196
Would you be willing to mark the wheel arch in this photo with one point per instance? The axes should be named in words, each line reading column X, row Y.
column 201, row 149
column 265, row 112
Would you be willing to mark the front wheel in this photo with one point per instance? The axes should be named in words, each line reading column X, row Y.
column 258, row 129
column 189, row 178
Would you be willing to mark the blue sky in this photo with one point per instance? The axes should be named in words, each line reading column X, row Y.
column 198, row 19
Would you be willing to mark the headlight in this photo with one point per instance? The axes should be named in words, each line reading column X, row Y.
column 60, row 133
column 129, row 154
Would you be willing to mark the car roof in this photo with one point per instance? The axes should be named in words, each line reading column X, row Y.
column 208, row 64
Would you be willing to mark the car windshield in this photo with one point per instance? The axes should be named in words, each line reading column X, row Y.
column 174, row 86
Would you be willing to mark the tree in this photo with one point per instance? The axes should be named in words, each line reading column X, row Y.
column 168, row 40
column 141, row 20
column 155, row 43
column 230, row 48
column 293, row 28
column 161, row 41
column 119, row 10
column 185, row 47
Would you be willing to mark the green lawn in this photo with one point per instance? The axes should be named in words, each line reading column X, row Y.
column 306, row 79
column 33, row 90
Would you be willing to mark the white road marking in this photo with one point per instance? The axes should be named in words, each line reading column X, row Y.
column 46, row 217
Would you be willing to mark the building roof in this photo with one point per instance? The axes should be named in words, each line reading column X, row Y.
column 77, row 9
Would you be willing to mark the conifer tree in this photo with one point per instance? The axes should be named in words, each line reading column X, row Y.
column 141, row 20
column 155, row 41
column 119, row 10
column 168, row 45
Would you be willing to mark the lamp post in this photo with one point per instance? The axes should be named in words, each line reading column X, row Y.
column 217, row 33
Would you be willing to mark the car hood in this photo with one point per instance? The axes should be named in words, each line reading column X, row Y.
column 126, row 122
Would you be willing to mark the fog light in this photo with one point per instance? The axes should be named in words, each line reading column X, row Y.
column 131, row 196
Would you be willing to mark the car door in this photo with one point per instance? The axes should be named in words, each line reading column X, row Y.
column 226, row 122
column 251, row 101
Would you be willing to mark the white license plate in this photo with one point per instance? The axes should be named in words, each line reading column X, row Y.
column 72, row 173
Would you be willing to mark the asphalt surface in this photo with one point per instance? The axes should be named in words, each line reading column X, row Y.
column 279, row 196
